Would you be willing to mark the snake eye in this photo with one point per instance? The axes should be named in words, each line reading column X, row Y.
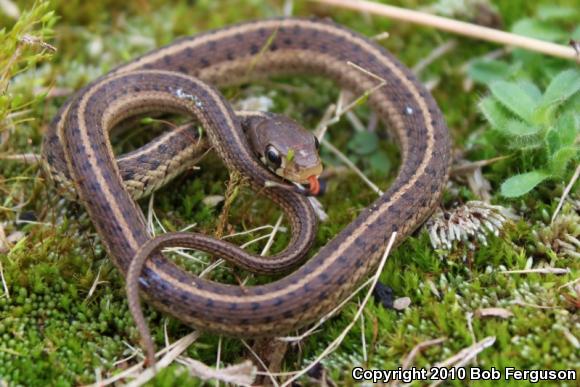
column 316, row 143
column 273, row 156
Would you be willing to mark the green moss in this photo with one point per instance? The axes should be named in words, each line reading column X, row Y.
column 52, row 330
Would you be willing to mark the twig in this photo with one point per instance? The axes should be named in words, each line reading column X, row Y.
column 465, row 356
column 437, row 53
column 351, row 165
column 456, row 27
column 547, row 270
column 4, row 284
column 178, row 348
column 271, row 236
column 268, row 373
column 418, row 348
column 566, row 192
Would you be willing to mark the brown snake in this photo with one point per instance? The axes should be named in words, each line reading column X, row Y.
column 234, row 55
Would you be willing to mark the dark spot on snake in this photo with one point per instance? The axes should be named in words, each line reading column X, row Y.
column 273, row 47
column 278, row 302
column 288, row 314
column 136, row 89
column 322, row 296
column 268, row 319
column 262, row 32
column 167, row 60
column 182, row 69
column 189, row 52
column 209, row 304
column 323, row 48
column 233, row 306
column 230, row 55
column 323, row 277
column 287, row 41
column 255, row 306
column 254, row 49
column 244, row 321
column 212, row 45
column 204, row 62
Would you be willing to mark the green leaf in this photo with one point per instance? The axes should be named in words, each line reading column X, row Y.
column 487, row 71
column 553, row 140
column 519, row 185
column 539, row 30
column 364, row 143
column 531, row 89
column 561, row 159
column 562, row 87
column 557, row 12
column 568, row 126
column 493, row 112
column 518, row 128
column 514, row 98
column 380, row 163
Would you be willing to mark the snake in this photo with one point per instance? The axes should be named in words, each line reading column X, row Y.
column 181, row 77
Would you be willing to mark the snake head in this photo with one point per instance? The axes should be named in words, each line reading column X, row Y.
column 287, row 149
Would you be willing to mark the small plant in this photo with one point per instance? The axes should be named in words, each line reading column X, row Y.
column 541, row 129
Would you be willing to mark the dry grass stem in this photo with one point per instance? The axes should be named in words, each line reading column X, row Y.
column 545, row 270
column 26, row 158
column 338, row 340
column 418, row 348
column 96, row 282
column 464, row 356
column 4, row 284
column 271, row 236
column 352, row 166
column 190, row 338
column 267, row 373
column 437, row 53
column 566, row 192
column 456, row 27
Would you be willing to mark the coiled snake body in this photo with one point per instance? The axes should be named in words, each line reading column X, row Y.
column 233, row 55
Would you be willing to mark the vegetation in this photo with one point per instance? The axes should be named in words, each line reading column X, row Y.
column 63, row 313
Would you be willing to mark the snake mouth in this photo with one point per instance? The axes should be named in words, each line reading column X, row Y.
column 314, row 185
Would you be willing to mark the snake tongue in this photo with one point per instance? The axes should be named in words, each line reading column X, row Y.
column 314, row 185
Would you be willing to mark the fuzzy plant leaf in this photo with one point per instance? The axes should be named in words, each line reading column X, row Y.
column 494, row 112
column 514, row 98
column 532, row 90
column 519, row 185
column 559, row 161
column 539, row 30
column 487, row 71
column 569, row 127
column 517, row 128
column 557, row 12
column 562, row 87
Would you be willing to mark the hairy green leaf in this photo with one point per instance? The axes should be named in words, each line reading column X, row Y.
column 560, row 160
column 518, row 128
column 569, row 127
column 487, row 71
column 531, row 89
column 493, row 112
column 557, row 12
column 539, row 30
column 519, row 185
column 562, row 87
column 514, row 98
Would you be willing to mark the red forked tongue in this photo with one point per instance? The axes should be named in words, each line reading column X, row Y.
column 314, row 185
